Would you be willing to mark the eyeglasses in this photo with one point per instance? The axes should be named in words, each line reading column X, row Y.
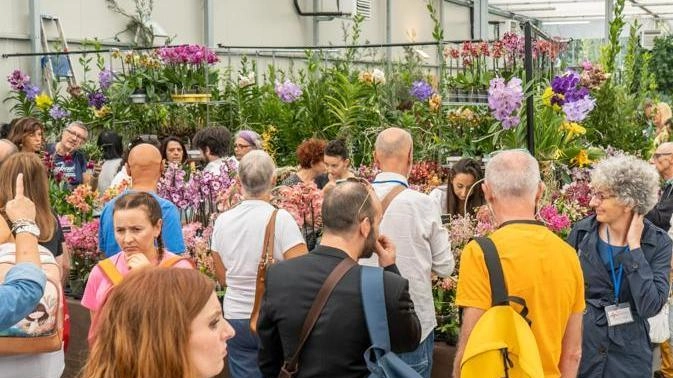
column 657, row 155
column 241, row 145
column 78, row 136
column 364, row 183
column 600, row 195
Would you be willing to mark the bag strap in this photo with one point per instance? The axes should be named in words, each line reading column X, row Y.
column 499, row 295
column 316, row 308
column 374, row 304
column 390, row 197
column 111, row 272
column 269, row 238
column 171, row 261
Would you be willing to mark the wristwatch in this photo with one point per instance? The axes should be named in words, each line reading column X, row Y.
column 28, row 228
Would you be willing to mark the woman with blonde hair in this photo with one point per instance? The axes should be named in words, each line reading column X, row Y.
column 662, row 122
column 160, row 323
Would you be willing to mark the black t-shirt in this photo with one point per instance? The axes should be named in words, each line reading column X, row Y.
column 55, row 245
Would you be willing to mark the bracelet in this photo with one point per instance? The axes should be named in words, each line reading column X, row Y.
column 22, row 223
column 32, row 229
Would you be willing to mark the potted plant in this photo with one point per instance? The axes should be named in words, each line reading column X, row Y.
column 187, row 68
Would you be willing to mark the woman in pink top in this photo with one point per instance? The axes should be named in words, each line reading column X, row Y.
column 137, row 225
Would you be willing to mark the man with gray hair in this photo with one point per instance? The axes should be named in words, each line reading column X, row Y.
column 538, row 267
column 412, row 220
column 6, row 148
column 67, row 157
column 238, row 239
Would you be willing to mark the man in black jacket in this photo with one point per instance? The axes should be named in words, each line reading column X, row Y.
column 351, row 216
column 662, row 159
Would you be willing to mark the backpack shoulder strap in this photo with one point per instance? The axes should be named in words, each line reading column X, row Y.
column 495, row 273
column 171, row 261
column 111, row 272
column 374, row 304
column 390, row 197
column 499, row 294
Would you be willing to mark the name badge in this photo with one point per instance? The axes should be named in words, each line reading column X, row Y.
column 618, row 314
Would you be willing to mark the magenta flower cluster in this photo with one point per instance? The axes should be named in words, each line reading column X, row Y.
column 20, row 82
column 17, row 80
column 288, row 91
column 554, row 220
column 504, row 100
column 84, row 238
column 201, row 187
column 188, row 54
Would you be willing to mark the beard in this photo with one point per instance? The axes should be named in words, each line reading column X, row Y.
column 370, row 245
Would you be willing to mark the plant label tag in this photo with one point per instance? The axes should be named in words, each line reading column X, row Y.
column 618, row 314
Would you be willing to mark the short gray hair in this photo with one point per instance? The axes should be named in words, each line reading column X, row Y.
column 79, row 124
column 513, row 174
column 634, row 182
column 256, row 171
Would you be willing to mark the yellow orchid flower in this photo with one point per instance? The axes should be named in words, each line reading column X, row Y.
column 43, row 101
column 581, row 159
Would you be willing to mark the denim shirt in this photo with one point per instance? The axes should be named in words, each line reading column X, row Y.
column 20, row 293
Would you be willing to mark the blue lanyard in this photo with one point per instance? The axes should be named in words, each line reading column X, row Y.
column 616, row 278
column 404, row 184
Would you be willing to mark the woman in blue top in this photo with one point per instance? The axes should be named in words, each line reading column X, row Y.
column 626, row 262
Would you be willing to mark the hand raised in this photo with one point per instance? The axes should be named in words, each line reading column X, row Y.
column 386, row 251
column 136, row 260
column 20, row 207
column 635, row 231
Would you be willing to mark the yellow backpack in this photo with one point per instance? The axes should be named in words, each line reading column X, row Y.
column 501, row 343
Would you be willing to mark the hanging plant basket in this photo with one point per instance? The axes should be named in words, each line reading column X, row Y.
column 191, row 97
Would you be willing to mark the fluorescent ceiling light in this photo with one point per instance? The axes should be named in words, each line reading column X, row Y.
column 530, row 9
column 578, row 22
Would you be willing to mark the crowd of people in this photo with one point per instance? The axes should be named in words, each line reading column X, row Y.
column 290, row 311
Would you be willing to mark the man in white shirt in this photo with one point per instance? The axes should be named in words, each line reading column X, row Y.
column 413, row 222
column 214, row 142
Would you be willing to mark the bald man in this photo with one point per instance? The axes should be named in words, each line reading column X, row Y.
column 412, row 221
column 662, row 159
column 144, row 166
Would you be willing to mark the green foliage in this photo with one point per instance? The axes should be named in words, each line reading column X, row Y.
column 611, row 50
column 662, row 63
column 615, row 120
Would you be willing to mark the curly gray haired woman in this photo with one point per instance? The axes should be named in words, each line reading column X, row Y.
column 626, row 262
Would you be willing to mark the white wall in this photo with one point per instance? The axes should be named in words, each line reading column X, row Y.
column 236, row 22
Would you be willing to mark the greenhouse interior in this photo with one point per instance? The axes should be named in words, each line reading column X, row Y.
column 527, row 142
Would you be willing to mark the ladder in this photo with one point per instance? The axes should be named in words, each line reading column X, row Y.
column 55, row 67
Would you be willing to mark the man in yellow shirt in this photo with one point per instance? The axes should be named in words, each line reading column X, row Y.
column 538, row 267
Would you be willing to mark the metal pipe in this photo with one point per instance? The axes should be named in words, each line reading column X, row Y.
column 35, row 40
column 389, row 22
column 316, row 30
column 530, row 106
column 609, row 10
column 208, row 24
